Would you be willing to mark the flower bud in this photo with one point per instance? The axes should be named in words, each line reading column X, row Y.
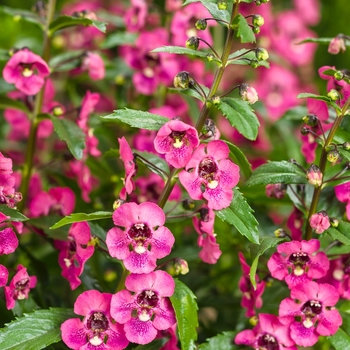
column 254, row 320
column 201, row 24
column 117, row 203
column 304, row 130
column 254, row 63
column 333, row 95
column 334, row 222
column 216, row 100
column 337, row 45
column 209, row 130
column 248, row 93
column 183, row 80
column 264, row 1
column 256, row 30
column 261, row 54
column 258, row 2
column 338, row 75
column 222, row 4
column 280, row 233
column 258, row 21
column 192, row 43
column 181, row 266
column 333, row 155
column 320, row 221
column 276, row 190
column 311, row 120
column 188, row 204
column 57, row 111
column 314, row 175
column 346, row 146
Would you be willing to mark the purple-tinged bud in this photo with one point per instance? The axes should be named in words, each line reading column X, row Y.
column 333, row 95
column 333, row 155
column 338, row 75
column 183, row 80
column 181, row 266
column 280, row 233
column 314, row 175
column 188, row 204
column 337, row 45
column 311, row 120
column 192, row 43
column 258, row 21
column 334, row 222
column 304, row 130
column 248, row 93
column 276, row 190
column 261, row 54
column 346, row 146
column 320, row 222
column 222, row 4
column 17, row 197
column 201, row 24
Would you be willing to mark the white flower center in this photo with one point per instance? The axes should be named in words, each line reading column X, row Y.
column 96, row 341
column 213, row 184
column 140, row 249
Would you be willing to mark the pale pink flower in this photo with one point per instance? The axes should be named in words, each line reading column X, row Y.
column 320, row 222
column 94, row 65
column 337, row 45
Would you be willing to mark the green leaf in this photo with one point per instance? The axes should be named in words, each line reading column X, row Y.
column 79, row 217
column 213, row 9
column 257, row 250
column 137, row 119
column 14, row 215
column 277, row 172
column 222, row 341
column 6, row 102
column 179, row 50
column 324, row 41
column 19, row 14
column 245, row 57
column 70, row 21
column 70, row 132
column 119, row 38
column 337, row 235
column 243, row 30
column 45, row 222
column 159, row 163
column 34, row 331
column 241, row 116
column 239, row 158
column 185, row 306
column 341, row 136
column 188, row 92
column 314, row 96
column 66, row 61
column 341, row 339
column 240, row 215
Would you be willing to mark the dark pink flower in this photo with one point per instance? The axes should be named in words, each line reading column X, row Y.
column 342, row 193
column 251, row 298
column 147, row 309
column 295, row 223
column 74, row 253
column 176, row 140
column 269, row 334
column 144, row 239
column 297, row 262
column 320, row 222
column 97, row 331
column 7, row 180
column 27, row 71
column 210, row 169
column 136, row 15
column 94, row 65
column 19, row 287
column 313, row 304
column 8, row 241
column 4, row 274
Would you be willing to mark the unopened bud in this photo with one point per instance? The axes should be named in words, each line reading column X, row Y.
column 346, row 146
column 216, row 100
column 181, row 266
column 17, row 197
column 258, row 21
column 192, row 43
column 222, row 4
column 57, row 111
column 254, row 63
column 280, row 233
column 248, row 93
column 264, row 1
column 201, row 24
column 334, row 222
column 254, row 320
column 261, row 54
column 210, row 57
column 117, row 203
column 337, row 45
column 188, row 204
column 333, row 95
column 94, row 241
column 320, row 221
column 304, row 130
column 256, row 30
column 209, row 130
column 258, row 2
column 333, row 155
column 314, row 175
column 183, row 80
column 311, row 120
column 338, row 75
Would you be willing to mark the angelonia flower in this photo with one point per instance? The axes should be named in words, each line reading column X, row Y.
column 310, row 312
column 337, row 45
column 276, row 190
column 144, row 238
column 147, row 309
column 19, row 287
column 27, row 71
column 94, row 65
column 268, row 334
column 210, row 175
column 342, row 192
column 97, row 331
column 296, row 262
column 176, row 140
column 4, row 274
column 320, row 222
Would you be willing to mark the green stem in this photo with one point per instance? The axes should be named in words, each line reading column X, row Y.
column 29, row 158
column 206, row 106
column 323, row 163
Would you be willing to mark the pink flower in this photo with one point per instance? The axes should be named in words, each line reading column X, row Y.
column 176, row 140
column 97, row 331
column 248, row 93
column 27, row 71
column 295, row 223
column 269, row 333
column 150, row 304
column 74, row 253
column 251, row 298
column 297, row 262
column 342, row 193
column 320, row 222
column 4, row 274
column 8, row 241
column 337, row 45
column 19, row 287
column 144, row 239
column 308, row 10
column 313, row 304
column 276, row 190
column 210, row 169
column 94, row 65
column 7, row 180
column 136, row 15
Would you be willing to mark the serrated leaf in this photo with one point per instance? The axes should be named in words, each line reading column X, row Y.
column 257, row 250
column 79, row 217
column 241, row 116
column 240, row 215
column 70, row 21
column 13, row 214
column 314, row 96
column 222, row 341
column 239, row 158
column 118, row 38
column 337, row 235
column 137, row 119
column 213, row 9
column 277, row 172
column 185, row 306
column 34, row 331
column 6, row 102
column 243, row 30
column 179, row 50
column 70, row 132
column 160, row 167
